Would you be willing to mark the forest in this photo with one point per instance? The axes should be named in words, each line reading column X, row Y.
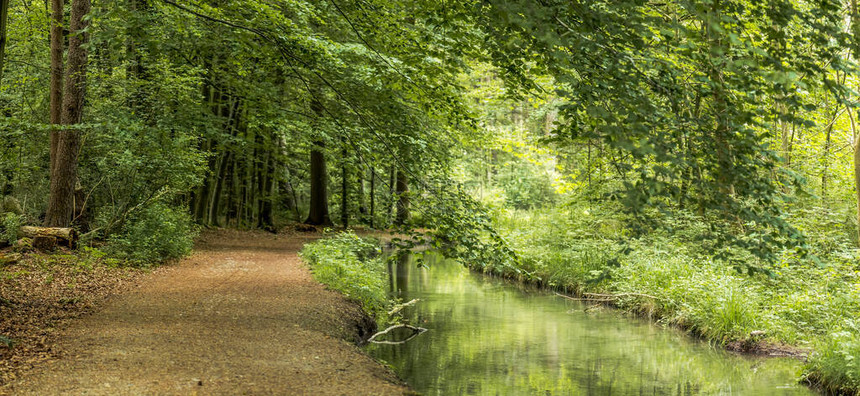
column 693, row 162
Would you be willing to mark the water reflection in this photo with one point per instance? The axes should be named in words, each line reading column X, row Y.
column 490, row 337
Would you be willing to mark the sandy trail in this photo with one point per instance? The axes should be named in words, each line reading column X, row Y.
column 241, row 316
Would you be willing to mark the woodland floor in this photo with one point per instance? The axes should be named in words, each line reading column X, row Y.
column 241, row 316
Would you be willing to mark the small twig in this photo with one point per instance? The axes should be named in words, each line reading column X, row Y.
column 397, row 308
column 415, row 332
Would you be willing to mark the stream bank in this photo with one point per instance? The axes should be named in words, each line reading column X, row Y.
column 492, row 336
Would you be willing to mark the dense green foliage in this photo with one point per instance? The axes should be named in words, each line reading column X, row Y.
column 353, row 266
column 836, row 364
column 663, row 278
column 709, row 148
column 9, row 224
column 155, row 234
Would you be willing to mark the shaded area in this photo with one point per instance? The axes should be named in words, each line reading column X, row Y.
column 41, row 294
column 488, row 336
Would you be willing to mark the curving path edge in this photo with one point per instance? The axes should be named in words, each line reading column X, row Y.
column 242, row 315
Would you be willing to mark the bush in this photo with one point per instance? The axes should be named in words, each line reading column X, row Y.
column 156, row 234
column 9, row 225
column 350, row 265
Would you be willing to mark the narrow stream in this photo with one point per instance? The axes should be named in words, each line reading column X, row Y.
column 491, row 337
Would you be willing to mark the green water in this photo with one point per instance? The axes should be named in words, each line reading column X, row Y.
column 491, row 337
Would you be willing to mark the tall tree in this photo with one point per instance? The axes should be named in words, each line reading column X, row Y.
column 66, row 146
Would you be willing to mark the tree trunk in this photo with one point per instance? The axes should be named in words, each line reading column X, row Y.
column 214, row 209
column 318, row 213
column 229, row 188
column 362, row 208
column 4, row 16
column 857, row 181
column 344, row 189
column 724, row 172
column 56, row 90
column 402, row 198
column 372, row 196
column 202, row 195
column 855, row 30
column 392, row 183
column 61, row 203
column 7, row 186
column 267, row 218
column 824, row 158
column 787, row 142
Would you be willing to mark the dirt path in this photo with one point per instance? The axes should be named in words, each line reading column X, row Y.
column 241, row 316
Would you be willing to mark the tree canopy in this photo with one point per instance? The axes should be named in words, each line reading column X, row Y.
column 253, row 113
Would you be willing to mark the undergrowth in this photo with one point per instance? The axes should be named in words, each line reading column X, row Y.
column 156, row 234
column 806, row 303
column 353, row 266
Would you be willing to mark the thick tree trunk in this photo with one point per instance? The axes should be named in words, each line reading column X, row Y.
column 402, row 198
column 318, row 213
column 722, row 132
column 61, row 202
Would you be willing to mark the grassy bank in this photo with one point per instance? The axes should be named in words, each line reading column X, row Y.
column 352, row 265
column 804, row 306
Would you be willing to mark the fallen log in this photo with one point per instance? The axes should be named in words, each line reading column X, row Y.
column 6, row 259
column 44, row 243
column 68, row 236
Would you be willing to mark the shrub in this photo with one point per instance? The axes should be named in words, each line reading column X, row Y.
column 9, row 224
column 155, row 234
